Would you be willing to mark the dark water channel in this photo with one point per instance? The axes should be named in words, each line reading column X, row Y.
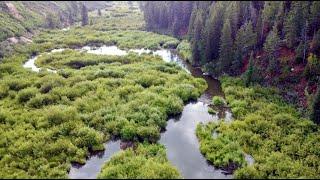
column 180, row 139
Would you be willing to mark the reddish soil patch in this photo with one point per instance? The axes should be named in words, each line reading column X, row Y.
column 13, row 11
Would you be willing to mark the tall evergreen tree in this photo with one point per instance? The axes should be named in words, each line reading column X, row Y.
column 315, row 16
column 84, row 15
column 271, row 47
column 191, row 22
column 74, row 11
column 213, row 31
column 269, row 13
column 232, row 13
column 244, row 43
column 315, row 111
column 248, row 76
column 296, row 21
column 50, row 21
column 315, row 45
column 226, row 48
column 196, row 44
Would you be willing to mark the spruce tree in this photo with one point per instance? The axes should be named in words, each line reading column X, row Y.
column 213, row 29
column 75, row 9
column 315, row 111
column 226, row 51
column 315, row 16
column 50, row 21
column 296, row 22
column 244, row 43
column 315, row 45
column 246, row 38
column 196, row 40
column 270, row 11
column 248, row 76
column 270, row 47
column 191, row 22
column 84, row 15
column 232, row 13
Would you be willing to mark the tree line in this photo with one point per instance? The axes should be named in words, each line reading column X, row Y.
column 76, row 11
column 223, row 33
column 233, row 37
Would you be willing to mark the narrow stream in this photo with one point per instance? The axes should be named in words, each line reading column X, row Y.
column 179, row 138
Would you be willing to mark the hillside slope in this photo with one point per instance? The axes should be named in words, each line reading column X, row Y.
column 20, row 17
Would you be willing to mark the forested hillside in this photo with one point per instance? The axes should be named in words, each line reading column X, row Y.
column 20, row 20
column 283, row 38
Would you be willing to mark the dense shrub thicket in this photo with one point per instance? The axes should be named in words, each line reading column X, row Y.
column 283, row 144
column 145, row 162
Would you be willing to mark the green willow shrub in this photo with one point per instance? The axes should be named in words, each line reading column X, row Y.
column 147, row 161
column 184, row 49
column 4, row 90
column 171, row 44
column 211, row 111
column 60, row 114
column 17, row 84
column 221, row 151
column 218, row 101
column 26, row 94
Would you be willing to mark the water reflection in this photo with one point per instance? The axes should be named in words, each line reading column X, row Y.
column 95, row 162
column 182, row 144
column 105, row 50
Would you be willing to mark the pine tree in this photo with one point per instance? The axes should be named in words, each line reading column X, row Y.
column 315, row 45
column 191, row 22
column 246, row 38
column 259, row 30
column 196, row 40
column 74, row 10
column 295, row 23
column 226, row 51
column 233, row 12
column 213, row 31
column 270, row 47
column 84, row 15
column 311, row 70
column 315, row 16
column 244, row 43
column 70, row 16
column 270, row 11
column 50, row 21
column 315, row 112
column 248, row 76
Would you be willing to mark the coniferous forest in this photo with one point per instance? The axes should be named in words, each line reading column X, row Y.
column 283, row 37
column 159, row 89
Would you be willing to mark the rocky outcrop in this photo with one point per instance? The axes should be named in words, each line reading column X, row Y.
column 13, row 10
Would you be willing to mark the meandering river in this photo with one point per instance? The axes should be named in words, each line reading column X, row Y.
column 179, row 138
